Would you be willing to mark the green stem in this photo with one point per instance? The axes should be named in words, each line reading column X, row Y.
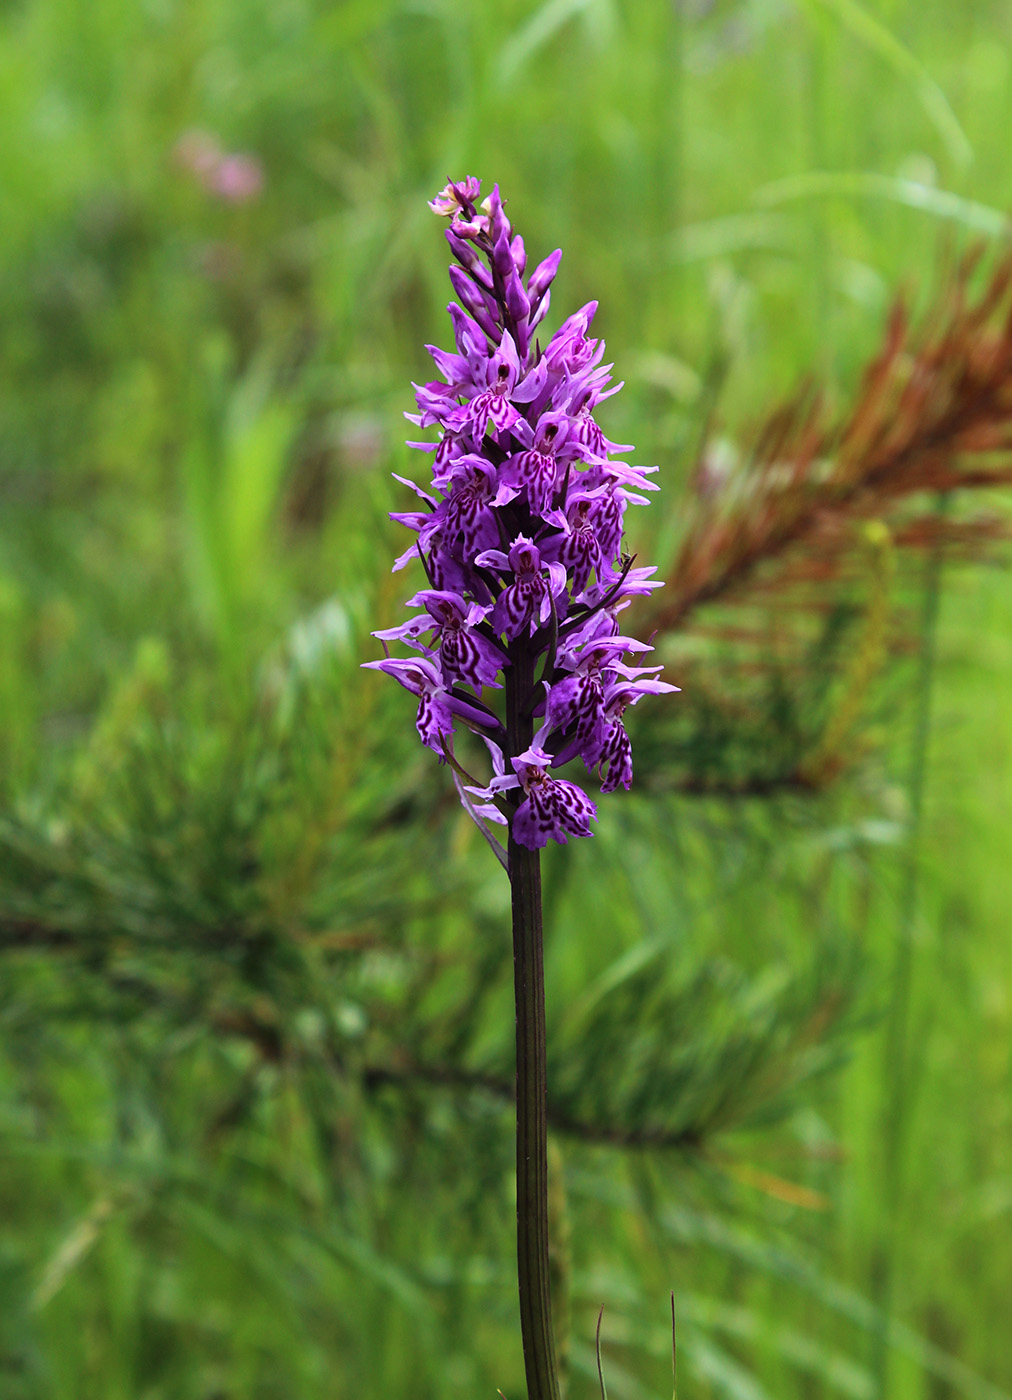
column 532, row 1075
column 898, row 1076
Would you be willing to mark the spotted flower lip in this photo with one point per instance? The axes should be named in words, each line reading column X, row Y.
column 505, row 387
column 539, row 469
column 436, row 706
column 528, row 600
column 552, row 809
column 468, row 517
column 519, row 532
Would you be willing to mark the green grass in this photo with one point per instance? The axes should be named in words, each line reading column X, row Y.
column 199, row 409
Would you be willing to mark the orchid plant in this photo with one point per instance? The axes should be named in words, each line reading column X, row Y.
column 520, row 536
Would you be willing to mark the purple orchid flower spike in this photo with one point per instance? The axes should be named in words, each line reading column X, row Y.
column 520, row 531
column 520, row 536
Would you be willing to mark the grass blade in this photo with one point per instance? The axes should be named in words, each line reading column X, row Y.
column 882, row 41
column 870, row 184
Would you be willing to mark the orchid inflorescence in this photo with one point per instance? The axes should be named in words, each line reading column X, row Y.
column 520, row 537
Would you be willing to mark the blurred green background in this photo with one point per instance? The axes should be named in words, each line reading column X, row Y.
column 253, row 962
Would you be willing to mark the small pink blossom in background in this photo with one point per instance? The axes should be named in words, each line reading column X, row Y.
column 233, row 176
column 238, row 178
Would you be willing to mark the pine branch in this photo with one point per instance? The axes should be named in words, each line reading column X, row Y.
column 452, row 1077
column 20, row 934
column 674, row 1111
column 934, row 414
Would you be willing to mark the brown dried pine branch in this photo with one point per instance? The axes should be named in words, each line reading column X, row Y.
column 934, row 414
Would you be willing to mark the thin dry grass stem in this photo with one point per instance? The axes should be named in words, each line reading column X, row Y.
column 934, row 414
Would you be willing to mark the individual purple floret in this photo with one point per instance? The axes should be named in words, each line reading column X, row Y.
column 519, row 533
column 551, row 807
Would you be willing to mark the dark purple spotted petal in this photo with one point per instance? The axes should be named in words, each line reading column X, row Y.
column 555, row 809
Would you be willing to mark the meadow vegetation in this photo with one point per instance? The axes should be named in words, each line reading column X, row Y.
column 255, row 982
